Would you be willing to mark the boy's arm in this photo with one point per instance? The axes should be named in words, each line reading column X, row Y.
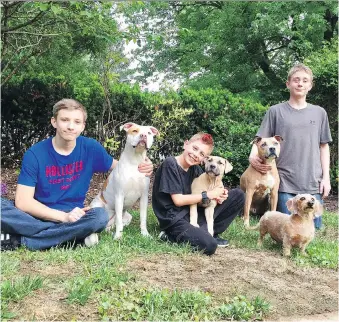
column 145, row 167
column 325, row 184
column 24, row 200
column 114, row 164
column 184, row 200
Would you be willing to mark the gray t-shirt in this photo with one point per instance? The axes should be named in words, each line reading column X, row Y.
column 302, row 131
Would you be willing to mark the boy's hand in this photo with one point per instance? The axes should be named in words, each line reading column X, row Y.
column 325, row 187
column 215, row 193
column 258, row 165
column 223, row 197
column 76, row 214
column 146, row 167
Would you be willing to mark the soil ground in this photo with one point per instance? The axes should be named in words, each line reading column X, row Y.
column 295, row 293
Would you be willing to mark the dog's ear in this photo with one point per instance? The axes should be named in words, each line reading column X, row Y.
column 154, row 130
column 256, row 140
column 319, row 209
column 292, row 206
column 278, row 138
column 127, row 126
column 228, row 166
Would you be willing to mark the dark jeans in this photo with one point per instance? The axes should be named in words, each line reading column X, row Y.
column 38, row 234
column 198, row 237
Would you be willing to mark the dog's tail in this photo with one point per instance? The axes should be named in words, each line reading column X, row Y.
column 256, row 227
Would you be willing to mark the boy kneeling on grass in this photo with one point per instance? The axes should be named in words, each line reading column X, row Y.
column 172, row 197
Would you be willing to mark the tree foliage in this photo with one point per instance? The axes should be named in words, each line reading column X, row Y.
column 241, row 46
column 65, row 29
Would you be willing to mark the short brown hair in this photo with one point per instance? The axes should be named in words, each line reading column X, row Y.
column 297, row 68
column 68, row 104
column 204, row 137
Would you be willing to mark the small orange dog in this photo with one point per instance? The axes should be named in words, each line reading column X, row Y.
column 296, row 230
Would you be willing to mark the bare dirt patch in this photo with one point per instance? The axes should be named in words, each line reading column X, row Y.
column 292, row 290
column 51, row 305
column 50, row 302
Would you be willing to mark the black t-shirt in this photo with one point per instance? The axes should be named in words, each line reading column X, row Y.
column 170, row 178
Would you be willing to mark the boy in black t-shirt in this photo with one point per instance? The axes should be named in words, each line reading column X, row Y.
column 172, row 197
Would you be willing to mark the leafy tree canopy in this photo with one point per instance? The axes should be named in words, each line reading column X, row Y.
column 56, row 31
column 240, row 46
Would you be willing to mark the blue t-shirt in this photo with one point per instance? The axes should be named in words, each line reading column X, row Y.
column 61, row 181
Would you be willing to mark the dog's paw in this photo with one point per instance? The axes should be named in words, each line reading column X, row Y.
column 145, row 233
column 91, row 240
column 117, row 236
column 246, row 224
column 126, row 219
column 109, row 228
column 195, row 225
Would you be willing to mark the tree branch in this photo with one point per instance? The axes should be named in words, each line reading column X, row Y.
column 21, row 62
column 32, row 33
column 6, row 30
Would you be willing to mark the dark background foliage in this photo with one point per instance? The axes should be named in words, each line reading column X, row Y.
column 231, row 59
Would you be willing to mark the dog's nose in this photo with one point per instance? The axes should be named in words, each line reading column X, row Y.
column 310, row 203
column 143, row 136
column 272, row 149
column 212, row 166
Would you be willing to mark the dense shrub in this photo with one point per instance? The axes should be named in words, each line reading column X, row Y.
column 232, row 120
column 26, row 109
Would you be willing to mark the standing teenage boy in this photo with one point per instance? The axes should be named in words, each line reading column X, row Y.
column 172, row 197
column 52, row 185
column 304, row 160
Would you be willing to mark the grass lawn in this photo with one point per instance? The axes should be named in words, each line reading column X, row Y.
column 101, row 283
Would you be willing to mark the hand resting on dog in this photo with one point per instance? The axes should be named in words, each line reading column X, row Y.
column 258, row 164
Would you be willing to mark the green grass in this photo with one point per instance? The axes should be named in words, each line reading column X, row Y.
column 14, row 290
column 165, row 305
column 99, row 276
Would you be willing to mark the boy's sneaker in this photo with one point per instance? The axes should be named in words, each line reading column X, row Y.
column 10, row 242
column 163, row 236
column 91, row 240
column 221, row 242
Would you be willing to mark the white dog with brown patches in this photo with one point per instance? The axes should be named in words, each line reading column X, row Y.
column 125, row 184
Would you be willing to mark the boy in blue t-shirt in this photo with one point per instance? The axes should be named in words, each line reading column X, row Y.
column 52, row 185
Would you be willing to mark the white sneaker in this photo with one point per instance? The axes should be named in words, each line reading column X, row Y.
column 91, row 240
column 163, row 236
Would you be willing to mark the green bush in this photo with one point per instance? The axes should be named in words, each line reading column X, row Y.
column 233, row 121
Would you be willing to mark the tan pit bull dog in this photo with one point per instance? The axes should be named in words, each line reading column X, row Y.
column 215, row 167
column 125, row 184
column 258, row 186
column 296, row 230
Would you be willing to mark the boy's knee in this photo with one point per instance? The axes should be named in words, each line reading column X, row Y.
column 239, row 195
column 210, row 247
column 100, row 218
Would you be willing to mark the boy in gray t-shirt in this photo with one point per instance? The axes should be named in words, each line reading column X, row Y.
column 303, row 164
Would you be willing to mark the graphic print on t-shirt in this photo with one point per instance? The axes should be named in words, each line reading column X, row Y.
column 64, row 175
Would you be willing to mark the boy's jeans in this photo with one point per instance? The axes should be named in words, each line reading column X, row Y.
column 284, row 196
column 38, row 234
